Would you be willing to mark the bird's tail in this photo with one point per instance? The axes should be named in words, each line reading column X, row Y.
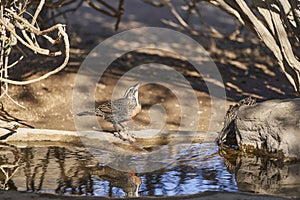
column 91, row 112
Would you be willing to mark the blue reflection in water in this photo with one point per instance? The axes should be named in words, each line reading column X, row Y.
column 187, row 169
column 181, row 169
column 198, row 169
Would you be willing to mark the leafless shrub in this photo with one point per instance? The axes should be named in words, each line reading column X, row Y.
column 275, row 22
column 110, row 8
column 17, row 27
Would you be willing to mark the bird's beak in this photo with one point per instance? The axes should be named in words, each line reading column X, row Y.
column 136, row 86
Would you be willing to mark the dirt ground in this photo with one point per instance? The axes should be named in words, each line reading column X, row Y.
column 246, row 66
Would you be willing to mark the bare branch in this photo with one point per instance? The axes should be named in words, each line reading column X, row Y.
column 120, row 13
column 33, row 48
column 277, row 24
column 61, row 31
column 11, row 20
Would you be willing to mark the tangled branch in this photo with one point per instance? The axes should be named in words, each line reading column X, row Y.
column 99, row 5
column 275, row 22
column 16, row 28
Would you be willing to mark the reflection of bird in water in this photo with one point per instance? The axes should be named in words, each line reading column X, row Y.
column 127, row 181
column 119, row 110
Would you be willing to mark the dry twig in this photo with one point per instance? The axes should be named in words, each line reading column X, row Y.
column 12, row 19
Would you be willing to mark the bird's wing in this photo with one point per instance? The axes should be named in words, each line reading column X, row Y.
column 120, row 106
column 114, row 107
column 105, row 108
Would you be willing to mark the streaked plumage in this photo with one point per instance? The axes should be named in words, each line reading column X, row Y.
column 230, row 116
column 119, row 110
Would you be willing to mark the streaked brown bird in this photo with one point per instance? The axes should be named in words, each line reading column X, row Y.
column 231, row 115
column 119, row 110
column 126, row 180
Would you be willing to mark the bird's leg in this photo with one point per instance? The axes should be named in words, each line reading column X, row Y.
column 126, row 131
column 123, row 127
column 118, row 131
column 121, row 135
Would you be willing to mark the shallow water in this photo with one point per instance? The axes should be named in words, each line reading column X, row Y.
column 182, row 170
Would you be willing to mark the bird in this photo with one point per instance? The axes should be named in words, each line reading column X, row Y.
column 119, row 110
column 126, row 180
column 230, row 116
